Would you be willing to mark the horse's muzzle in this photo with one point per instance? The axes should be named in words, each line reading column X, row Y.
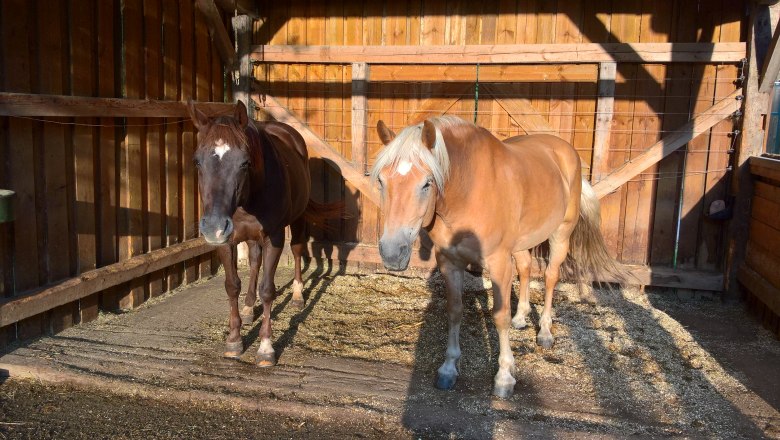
column 216, row 230
column 395, row 253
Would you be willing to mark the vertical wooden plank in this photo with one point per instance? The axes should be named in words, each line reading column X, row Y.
column 217, row 89
column 154, row 206
column 53, row 54
column 360, row 79
column 372, row 32
column 107, row 149
column 567, row 30
column 17, row 70
column 712, row 244
column 352, row 35
column 334, row 91
column 487, row 31
column 506, row 27
column 57, row 160
column 655, row 27
column 751, row 144
column 173, row 151
column 131, row 161
column 625, row 28
column 203, row 53
column 83, row 49
column 605, row 106
column 313, row 29
column 677, row 104
column 691, row 211
column 189, row 183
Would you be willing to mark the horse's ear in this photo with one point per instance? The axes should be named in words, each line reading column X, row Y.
column 241, row 115
column 199, row 118
column 429, row 134
column 385, row 134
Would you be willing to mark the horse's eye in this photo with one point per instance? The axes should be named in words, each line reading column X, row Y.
column 196, row 162
column 427, row 185
column 245, row 165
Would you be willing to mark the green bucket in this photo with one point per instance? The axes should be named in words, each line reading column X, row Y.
column 6, row 205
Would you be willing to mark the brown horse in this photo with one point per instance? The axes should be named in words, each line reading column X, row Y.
column 254, row 181
column 487, row 202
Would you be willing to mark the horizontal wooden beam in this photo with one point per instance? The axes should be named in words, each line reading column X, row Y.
column 319, row 148
column 506, row 54
column 671, row 142
column 643, row 275
column 766, row 167
column 489, row 73
column 27, row 104
column 93, row 281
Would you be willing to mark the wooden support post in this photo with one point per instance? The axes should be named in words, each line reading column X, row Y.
column 771, row 66
column 605, row 107
column 6, row 243
column 242, row 86
column 751, row 144
column 217, row 30
column 360, row 75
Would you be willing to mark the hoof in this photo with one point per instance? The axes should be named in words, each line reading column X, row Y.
column 504, row 391
column 233, row 350
column 519, row 323
column 546, row 341
column 297, row 303
column 265, row 360
column 445, row 382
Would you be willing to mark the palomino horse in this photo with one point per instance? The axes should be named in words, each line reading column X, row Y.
column 486, row 202
column 254, row 181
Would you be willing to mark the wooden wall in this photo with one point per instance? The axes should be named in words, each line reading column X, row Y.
column 94, row 191
column 760, row 273
column 641, row 218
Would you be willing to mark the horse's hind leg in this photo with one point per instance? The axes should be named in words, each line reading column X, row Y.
column 298, row 246
column 523, row 265
column 500, row 267
column 453, row 279
column 255, row 259
column 559, row 248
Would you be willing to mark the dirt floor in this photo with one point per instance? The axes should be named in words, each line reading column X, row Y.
column 360, row 361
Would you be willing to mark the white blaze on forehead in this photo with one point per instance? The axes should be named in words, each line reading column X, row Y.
column 221, row 148
column 404, row 167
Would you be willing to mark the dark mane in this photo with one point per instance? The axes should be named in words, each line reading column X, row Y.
column 227, row 129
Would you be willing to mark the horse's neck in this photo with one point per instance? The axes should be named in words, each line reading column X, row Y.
column 265, row 196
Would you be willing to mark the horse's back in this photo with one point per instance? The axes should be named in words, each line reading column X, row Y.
column 547, row 146
column 290, row 149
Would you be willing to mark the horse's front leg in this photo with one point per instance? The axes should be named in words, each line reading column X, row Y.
column 266, row 357
column 500, row 267
column 453, row 279
column 233, row 345
column 255, row 259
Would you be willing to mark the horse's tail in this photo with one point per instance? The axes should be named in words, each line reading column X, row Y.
column 317, row 214
column 588, row 252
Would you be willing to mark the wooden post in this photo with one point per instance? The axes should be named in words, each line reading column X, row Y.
column 6, row 243
column 751, row 144
column 360, row 75
column 242, row 85
column 605, row 107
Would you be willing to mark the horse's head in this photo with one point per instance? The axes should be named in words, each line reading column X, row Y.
column 410, row 170
column 225, row 166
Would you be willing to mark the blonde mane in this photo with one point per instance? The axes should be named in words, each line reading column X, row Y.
column 408, row 147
